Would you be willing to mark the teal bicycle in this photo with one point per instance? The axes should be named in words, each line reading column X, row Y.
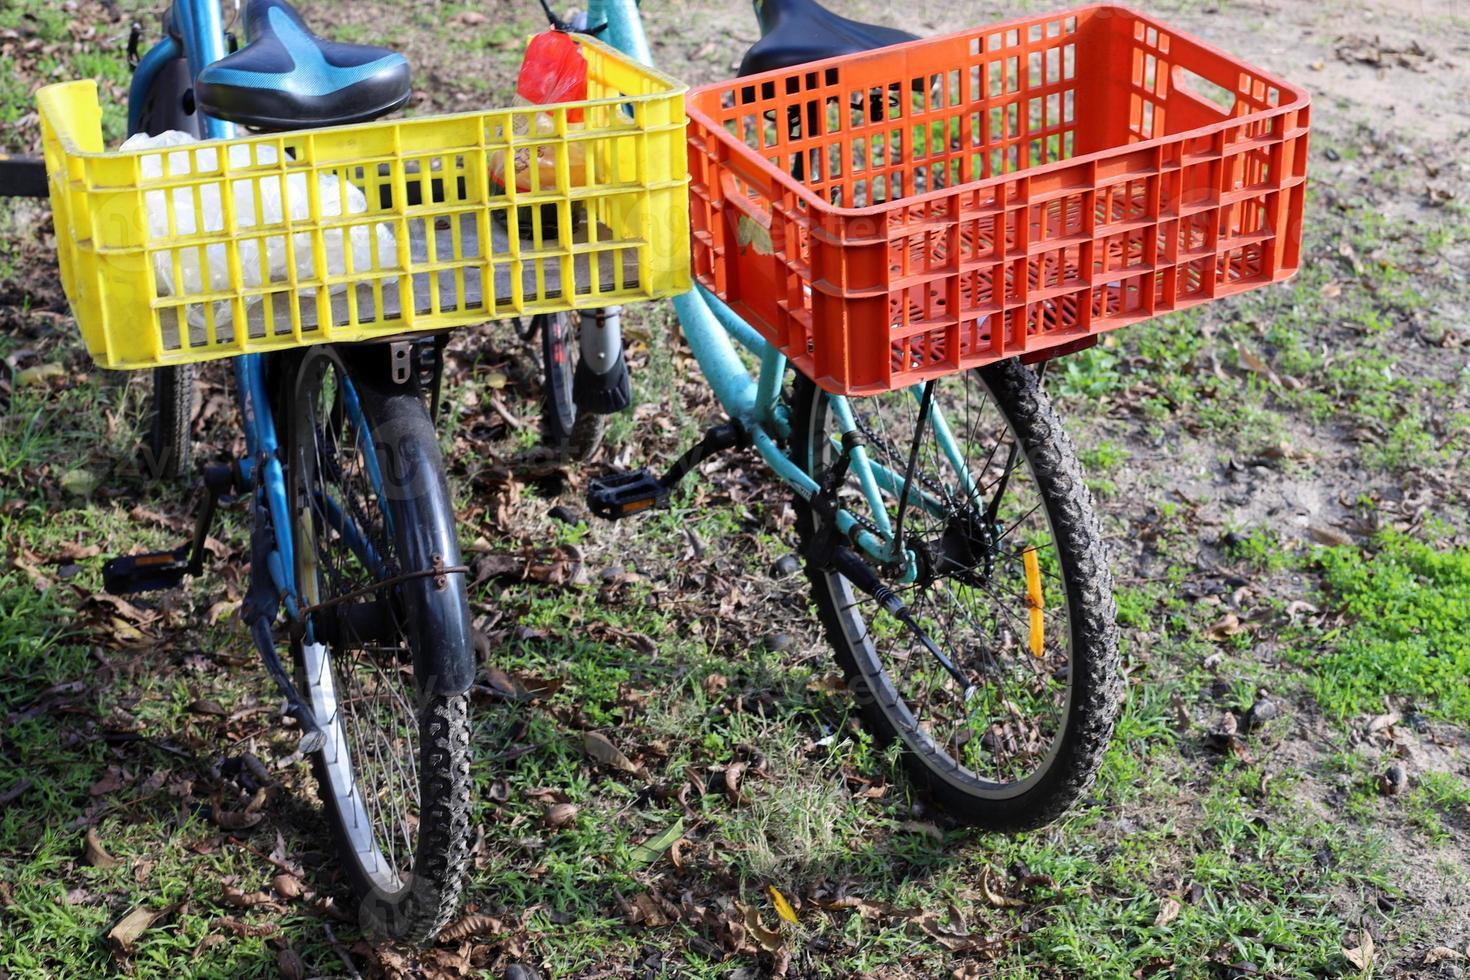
column 949, row 539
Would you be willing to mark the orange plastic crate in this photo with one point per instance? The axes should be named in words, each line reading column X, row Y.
column 892, row 216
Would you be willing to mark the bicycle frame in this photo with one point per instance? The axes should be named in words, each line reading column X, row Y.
column 713, row 330
column 201, row 40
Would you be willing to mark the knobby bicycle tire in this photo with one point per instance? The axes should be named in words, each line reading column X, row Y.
column 1095, row 682
column 418, row 519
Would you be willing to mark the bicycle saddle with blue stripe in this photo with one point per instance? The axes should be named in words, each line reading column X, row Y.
column 286, row 77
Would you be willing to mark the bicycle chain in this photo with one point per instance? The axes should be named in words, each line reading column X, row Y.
column 928, row 483
column 866, row 523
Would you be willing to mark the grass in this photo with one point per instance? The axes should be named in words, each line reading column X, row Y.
column 1408, row 642
column 1274, row 857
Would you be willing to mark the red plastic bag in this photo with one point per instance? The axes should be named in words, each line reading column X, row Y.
column 553, row 70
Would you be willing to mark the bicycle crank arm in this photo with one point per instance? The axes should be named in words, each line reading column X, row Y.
column 617, row 495
column 852, row 567
column 152, row 571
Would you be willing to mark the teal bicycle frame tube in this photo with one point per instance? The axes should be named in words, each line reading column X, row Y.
column 711, row 329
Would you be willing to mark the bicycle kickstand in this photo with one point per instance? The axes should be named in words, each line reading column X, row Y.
column 259, row 610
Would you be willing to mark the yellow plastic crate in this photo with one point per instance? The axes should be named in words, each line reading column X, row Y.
column 227, row 247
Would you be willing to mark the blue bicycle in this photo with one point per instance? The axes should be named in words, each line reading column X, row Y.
column 354, row 531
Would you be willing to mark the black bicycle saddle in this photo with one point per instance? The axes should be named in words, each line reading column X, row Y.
column 286, row 77
column 794, row 32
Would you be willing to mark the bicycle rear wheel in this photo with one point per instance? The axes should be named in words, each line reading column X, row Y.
column 168, row 105
column 575, row 433
column 373, row 530
column 1012, row 586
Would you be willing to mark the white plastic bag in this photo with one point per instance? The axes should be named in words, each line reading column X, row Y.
column 330, row 190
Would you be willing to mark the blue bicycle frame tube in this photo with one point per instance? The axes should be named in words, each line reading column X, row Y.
column 148, row 68
column 369, row 451
column 202, row 31
column 709, row 327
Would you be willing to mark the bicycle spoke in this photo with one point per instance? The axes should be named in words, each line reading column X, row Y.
column 376, row 777
column 970, row 598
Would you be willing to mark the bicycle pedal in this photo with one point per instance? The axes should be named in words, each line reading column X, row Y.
column 147, row 572
column 619, row 495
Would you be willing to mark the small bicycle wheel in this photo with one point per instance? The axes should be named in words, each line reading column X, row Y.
column 1010, row 583
column 577, row 434
column 373, row 522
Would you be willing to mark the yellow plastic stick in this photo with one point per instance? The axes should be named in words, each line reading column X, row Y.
column 1034, row 600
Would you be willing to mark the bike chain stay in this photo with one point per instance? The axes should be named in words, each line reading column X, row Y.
column 824, row 503
column 926, row 404
column 927, row 482
column 859, row 573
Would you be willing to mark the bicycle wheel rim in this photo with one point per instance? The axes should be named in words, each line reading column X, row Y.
column 369, row 764
column 876, row 672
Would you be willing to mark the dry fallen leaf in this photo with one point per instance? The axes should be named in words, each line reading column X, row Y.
column 114, row 780
column 996, row 897
column 290, row 964
column 601, row 749
column 645, row 910
column 242, row 929
column 768, row 938
column 560, row 814
column 249, row 900
column 1228, row 626
column 1361, row 955
column 1381, row 722
column 1331, row 537
column 131, row 927
column 235, row 819
column 1255, row 365
column 956, row 942
column 733, row 774
column 1443, row 954
column 94, row 853
column 286, row 885
column 1169, row 909
column 469, row 926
